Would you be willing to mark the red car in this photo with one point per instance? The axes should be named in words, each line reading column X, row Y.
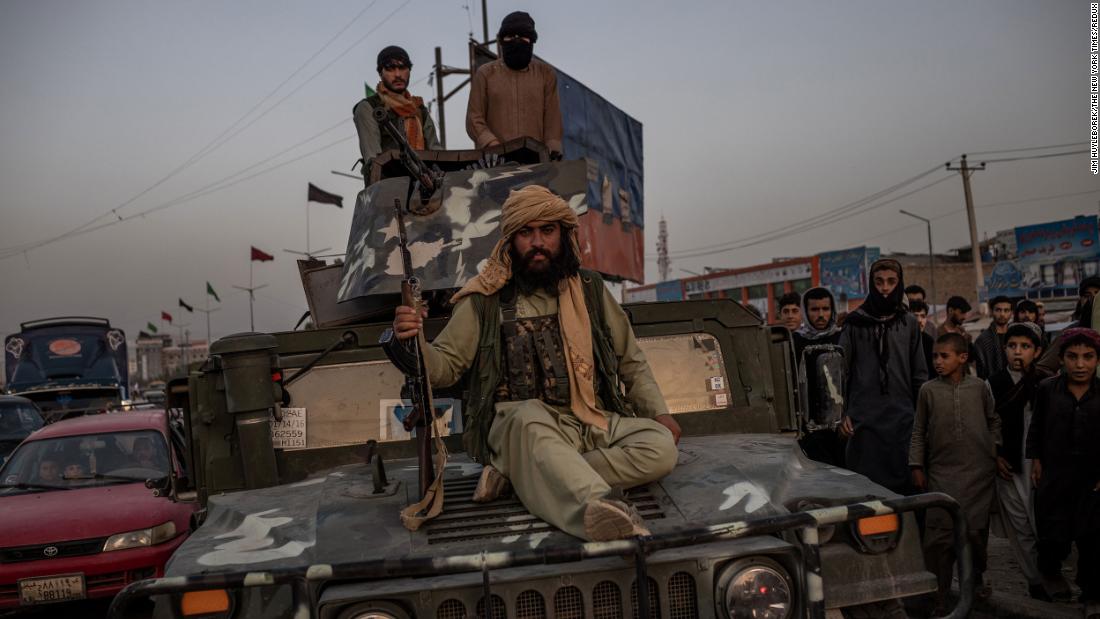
column 80, row 515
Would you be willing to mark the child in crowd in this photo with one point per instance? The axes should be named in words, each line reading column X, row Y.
column 953, row 450
column 1014, row 389
column 1062, row 443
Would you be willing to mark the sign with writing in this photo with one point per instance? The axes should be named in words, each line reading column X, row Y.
column 290, row 432
column 844, row 272
column 1056, row 240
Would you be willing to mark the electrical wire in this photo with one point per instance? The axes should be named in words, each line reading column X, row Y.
column 1018, row 150
column 1048, row 155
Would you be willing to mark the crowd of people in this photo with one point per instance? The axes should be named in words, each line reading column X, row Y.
column 1007, row 423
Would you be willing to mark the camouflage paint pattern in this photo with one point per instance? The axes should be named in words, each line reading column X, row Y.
column 449, row 244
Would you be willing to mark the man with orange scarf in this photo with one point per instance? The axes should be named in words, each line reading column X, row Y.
column 407, row 112
column 562, row 402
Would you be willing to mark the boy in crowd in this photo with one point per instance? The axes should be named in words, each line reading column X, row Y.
column 1014, row 389
column 990, row 345
column 1065, row 468
column 1027, row 311
column 920, row 310
column 953, row 450
column 914, row 293
column 790, row 311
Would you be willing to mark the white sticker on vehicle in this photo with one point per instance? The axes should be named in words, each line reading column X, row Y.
column 717, row 383
column 290, row 433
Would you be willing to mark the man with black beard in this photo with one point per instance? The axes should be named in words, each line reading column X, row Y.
column 562, row 402
column 516, row 95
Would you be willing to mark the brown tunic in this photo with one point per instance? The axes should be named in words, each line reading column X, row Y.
column 507, row 104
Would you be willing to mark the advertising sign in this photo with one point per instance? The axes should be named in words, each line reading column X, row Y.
column 844, row 272
column 1051, row 259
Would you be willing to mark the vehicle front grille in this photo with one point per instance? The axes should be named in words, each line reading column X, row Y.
column 570, row 601
column 38, row 552
column 462, row 519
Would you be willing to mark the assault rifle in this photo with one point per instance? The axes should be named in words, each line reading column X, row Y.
column 429, row 179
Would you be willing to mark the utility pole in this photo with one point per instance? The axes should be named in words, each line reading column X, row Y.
column 485, row 20
column 663, row 263
column 441, row 71
column 931, row 259
column 975, row 246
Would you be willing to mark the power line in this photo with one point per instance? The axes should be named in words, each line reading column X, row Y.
column 1072, row 152
column 214, row 187
column 211, row 146
column 18, row 249
column 1017, row 150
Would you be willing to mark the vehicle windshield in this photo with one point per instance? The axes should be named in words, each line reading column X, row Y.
column 17, row 420
column 84, row 461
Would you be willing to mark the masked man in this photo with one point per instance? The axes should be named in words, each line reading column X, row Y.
column 885, row 358
column 549, row 353
column 405, row 111
column 516, row 95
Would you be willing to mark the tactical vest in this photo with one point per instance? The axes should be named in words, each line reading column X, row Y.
column 487, row 373
column 534, row 357
column 386, row 141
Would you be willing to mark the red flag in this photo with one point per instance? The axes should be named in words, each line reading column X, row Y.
column 165, row 316
column 261, row 255
column 319, row 195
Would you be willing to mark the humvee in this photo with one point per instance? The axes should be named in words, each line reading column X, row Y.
column 296, row 451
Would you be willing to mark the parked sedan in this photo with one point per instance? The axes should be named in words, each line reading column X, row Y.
column 18, row 418
column 78, row 515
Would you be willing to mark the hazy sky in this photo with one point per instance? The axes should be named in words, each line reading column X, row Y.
column 757, row 115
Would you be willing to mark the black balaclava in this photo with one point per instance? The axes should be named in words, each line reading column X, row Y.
column 877, row 305
column 517, row 54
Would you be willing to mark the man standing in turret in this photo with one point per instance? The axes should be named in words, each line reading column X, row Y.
column 562, row 402
column 407, row 112
column 516, row 95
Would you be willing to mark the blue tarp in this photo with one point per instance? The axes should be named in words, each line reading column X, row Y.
column 594, row 129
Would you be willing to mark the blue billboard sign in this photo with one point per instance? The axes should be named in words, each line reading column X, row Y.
column 844, row 272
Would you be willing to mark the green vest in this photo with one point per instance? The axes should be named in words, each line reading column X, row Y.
column 486, row 371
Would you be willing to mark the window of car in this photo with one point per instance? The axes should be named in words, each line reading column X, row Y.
column 18, row 419
column 85, row 460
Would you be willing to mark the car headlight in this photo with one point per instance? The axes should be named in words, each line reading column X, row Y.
column 374, row 610
column 142, row 537
column 755, row 588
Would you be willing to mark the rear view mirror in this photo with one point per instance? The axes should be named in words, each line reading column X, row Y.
column 821, row 385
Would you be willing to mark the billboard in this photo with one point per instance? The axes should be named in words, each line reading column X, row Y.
column 1051, row 259
column 844, row 272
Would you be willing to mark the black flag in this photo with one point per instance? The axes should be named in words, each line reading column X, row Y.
column 324, row 197
column 187, row 307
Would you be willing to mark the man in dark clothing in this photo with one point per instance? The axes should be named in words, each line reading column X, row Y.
column 957, row 310
column 818, row 329
column 990, row 345
column 913, row 294
column 407, row 112
column 919, row 309
column 1065, row 467
column 1082, row 317
column 885, row 361
column 1014, row 389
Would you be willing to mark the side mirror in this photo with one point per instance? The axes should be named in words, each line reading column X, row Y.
column 821, row 384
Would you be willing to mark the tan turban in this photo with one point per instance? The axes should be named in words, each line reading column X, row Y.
column 535, row 203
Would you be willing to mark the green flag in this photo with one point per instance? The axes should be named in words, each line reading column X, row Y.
column 210, row 291
column 152, row 327
column 367, row 89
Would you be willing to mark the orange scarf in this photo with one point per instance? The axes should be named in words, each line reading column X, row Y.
column 408, row 107
column 535, row 203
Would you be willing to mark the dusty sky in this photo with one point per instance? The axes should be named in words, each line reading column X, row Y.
column 757, row 116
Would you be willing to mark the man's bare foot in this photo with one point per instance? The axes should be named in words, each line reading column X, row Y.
column 608, row 519
column 490, row 486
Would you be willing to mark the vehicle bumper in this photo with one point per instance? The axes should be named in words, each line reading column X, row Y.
column 105, row 573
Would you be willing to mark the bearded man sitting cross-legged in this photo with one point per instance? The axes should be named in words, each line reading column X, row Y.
column 562, row 402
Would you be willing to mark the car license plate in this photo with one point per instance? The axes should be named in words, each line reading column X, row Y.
column 51, row 589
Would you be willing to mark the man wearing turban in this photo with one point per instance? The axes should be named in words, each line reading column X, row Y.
column 562, row 402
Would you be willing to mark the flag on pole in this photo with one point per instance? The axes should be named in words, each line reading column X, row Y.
column 261, row 255
column 187, row 307
column 210, row 291
column 166, row 316
column 324, row 197
column 152, row 327
column 143, row 335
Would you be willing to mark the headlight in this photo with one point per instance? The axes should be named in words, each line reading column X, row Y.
column 143, row 537
column 374, row 610
column 877, row 534
column 756, row 588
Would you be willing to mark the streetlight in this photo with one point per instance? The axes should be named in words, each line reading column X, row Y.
column 931, row 256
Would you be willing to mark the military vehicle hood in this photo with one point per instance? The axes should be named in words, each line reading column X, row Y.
column 336, row 518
